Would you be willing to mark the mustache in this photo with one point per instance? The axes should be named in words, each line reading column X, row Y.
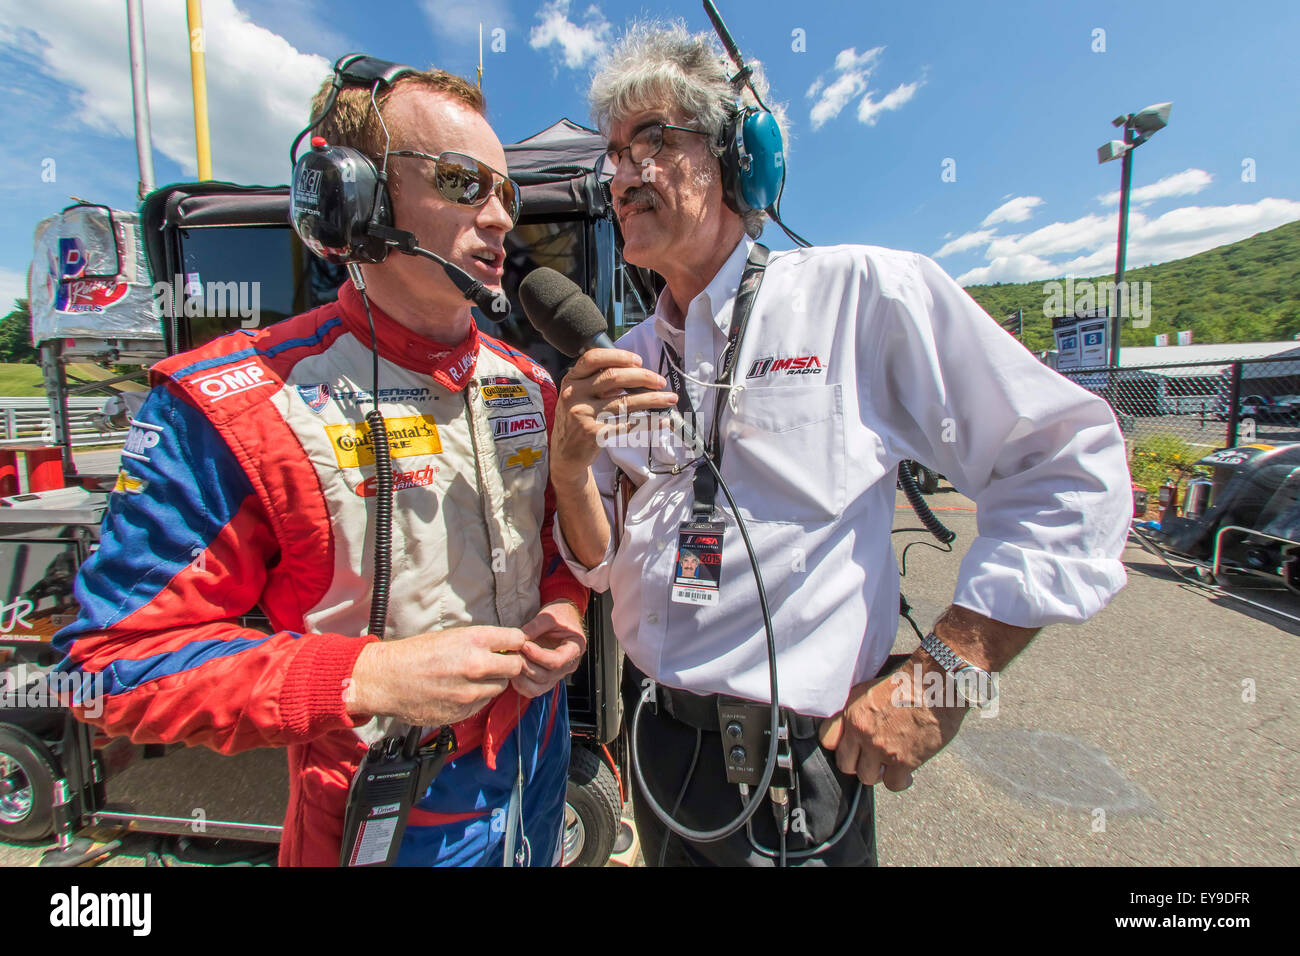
column 639, row 194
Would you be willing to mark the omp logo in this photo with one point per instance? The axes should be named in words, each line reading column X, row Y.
column 401, row 481
column 798, row 365
column 232, row 381
column 407, row 437
column 517, row 425
column 140, row 439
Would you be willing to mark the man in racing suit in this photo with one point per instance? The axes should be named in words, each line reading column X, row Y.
column 249, row 480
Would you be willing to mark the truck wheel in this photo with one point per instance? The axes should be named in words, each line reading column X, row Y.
column 591, row 810
column 27, row 775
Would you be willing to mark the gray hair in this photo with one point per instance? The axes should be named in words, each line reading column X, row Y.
column 656, row 62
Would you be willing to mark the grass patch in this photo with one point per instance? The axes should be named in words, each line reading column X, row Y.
column 1158, row 457
column 21, row 379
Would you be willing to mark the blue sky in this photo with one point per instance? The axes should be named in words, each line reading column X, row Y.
column 1016, row 95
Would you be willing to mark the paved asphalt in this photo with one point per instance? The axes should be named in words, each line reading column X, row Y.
column 1125, row 740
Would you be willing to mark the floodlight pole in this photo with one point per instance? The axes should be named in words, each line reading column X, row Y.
column 1126, row 181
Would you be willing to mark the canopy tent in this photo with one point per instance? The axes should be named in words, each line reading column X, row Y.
column 557, row 169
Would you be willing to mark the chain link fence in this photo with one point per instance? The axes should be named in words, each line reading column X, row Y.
column 1174, row 415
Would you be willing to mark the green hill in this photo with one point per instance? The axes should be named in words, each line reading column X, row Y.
column 1247, row 291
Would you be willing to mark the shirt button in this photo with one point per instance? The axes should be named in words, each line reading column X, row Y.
column 652, row 618
column 659, row 545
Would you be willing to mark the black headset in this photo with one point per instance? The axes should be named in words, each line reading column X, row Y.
column 338, row 201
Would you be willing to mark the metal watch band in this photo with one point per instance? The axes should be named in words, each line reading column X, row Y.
column 942, row 653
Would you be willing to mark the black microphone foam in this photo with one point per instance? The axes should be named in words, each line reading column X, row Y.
column 562, row 313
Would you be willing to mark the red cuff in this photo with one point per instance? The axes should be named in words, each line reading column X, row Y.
column 563, row 587
column 311, row 699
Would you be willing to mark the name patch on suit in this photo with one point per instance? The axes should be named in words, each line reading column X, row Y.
column 407, row 437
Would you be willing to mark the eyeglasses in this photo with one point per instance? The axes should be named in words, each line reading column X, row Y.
column 466, row 181
column 646, row 144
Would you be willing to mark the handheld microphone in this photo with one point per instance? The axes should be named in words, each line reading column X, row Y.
column 568, row 320
column 573, row 324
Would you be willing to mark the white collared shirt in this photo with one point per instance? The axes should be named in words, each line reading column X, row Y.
column 855, row 358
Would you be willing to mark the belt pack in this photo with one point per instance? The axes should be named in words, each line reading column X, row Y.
column 701, row 711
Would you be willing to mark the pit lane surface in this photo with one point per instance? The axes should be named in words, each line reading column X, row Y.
column 1124, row 741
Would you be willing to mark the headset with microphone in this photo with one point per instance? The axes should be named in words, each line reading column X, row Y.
column 753, row 153
column 338, row 200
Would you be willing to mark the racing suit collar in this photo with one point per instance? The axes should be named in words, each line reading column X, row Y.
column 451, row 366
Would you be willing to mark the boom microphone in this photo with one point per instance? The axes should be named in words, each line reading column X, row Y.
column 564, row 316
column 494, row 305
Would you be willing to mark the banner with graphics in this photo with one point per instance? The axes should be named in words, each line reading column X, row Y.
column 89, row 277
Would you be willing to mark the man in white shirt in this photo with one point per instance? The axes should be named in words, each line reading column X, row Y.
column 852, row 358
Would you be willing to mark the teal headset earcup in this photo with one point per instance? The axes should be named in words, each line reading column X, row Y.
column 753, row 164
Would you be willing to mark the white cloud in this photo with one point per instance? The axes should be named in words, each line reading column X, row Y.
column 1016, row 268
column 1014, row 210
column 579, row 45
column 259, row 86
column 836, row 96
column 1174, row 235
column 869, row 110
column 853, row 74
column 970, row 240
column 13, row 285
column 1083, row 233
column 457, row 21
column 1186, row 183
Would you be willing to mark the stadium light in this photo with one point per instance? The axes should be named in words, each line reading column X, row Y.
column 1138, row 128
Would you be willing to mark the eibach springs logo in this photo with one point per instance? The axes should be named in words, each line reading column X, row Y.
column 798, row 365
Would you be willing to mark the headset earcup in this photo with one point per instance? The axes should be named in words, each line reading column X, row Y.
column 732, row 192
column 331, row 203
column 761, row 183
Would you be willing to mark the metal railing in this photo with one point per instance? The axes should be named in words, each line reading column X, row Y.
column 27, row 421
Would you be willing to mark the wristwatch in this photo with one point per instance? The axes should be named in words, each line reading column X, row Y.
column 976, row 686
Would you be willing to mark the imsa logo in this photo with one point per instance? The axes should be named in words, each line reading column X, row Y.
column 798, row 365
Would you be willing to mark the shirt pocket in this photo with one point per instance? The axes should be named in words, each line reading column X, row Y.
column 784, row 453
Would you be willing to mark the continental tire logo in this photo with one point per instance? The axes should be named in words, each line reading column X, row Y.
column 407, row 437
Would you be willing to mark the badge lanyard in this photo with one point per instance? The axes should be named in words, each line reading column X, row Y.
column 698, row 572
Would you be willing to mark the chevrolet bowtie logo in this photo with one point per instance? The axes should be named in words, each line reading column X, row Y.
column 524, row 457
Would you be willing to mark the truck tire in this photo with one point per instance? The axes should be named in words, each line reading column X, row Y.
column 591, row 810
column 27, row 775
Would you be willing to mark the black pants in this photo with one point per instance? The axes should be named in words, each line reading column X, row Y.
column 666, row 747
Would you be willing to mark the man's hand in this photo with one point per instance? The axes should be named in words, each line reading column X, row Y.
column 440, row 677
column 555, row 644
column 886, row 731
column 594, row 389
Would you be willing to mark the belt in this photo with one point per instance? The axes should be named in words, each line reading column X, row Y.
column 701, row 711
